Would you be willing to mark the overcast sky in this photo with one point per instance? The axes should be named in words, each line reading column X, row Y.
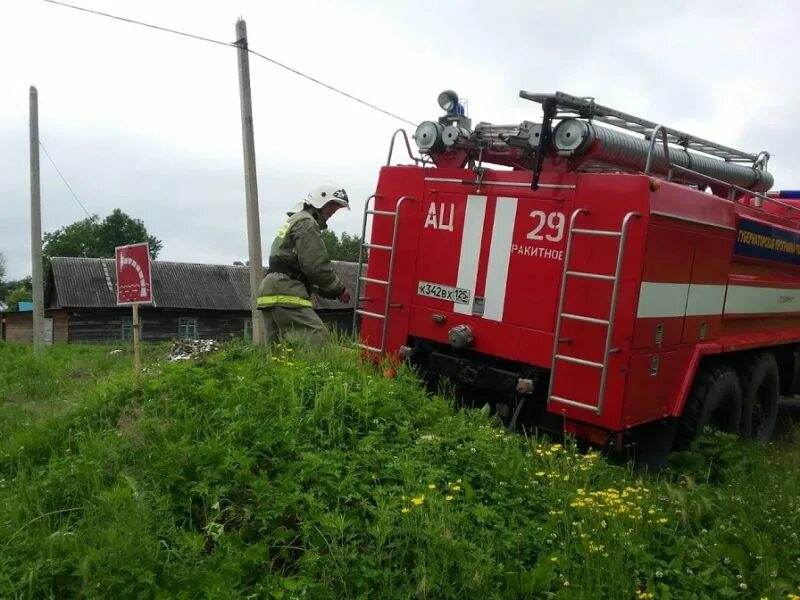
column 149, row 122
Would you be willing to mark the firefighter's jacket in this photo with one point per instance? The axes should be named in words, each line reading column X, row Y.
column 299, row 264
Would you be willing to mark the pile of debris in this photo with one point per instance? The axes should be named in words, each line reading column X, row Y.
column 192, row 349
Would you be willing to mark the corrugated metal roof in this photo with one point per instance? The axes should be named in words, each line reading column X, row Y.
column 91, row 282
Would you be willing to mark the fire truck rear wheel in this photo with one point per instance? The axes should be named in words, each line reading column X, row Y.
column 715, row 400
column 760, row 385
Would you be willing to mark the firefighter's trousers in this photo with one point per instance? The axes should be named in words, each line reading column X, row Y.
column 294, row 325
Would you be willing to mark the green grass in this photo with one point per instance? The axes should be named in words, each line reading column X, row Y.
column 250, row 476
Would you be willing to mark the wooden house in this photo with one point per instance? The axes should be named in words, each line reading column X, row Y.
column 191, row 301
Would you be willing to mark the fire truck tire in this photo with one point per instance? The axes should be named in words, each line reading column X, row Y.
column 715, row 399
column 653, row 445
column 760, row 386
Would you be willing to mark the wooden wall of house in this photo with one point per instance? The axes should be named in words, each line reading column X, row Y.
column 341, row 320
column 88, row 326
column 160, row 326
column 60, row 326
column 18, row 327
column 105, row 326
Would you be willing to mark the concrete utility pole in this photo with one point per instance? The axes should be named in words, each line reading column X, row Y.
column 250, row 181
column 36, row 227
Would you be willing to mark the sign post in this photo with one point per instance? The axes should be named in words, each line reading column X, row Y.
column 134, row 287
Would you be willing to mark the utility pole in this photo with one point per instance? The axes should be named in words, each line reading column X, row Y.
column 36, row 227
column 250, row 181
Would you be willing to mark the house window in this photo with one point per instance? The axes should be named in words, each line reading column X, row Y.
column 187, row 328
column 127, row 329
column 248, row 329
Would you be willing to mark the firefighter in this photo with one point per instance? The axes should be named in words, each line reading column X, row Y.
column 299, row 265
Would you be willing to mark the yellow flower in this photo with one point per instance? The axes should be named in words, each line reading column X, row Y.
column 458, row 481
column 405, row 510
column 540, row 473
column 662, row 520
column 553, row 558
column 566, row 583
column 456, row 488
column 448, row 498
column 431, row 486
column 418, row 501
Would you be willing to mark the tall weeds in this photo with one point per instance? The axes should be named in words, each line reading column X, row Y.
column 314, row 476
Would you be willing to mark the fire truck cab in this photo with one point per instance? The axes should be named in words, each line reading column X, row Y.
column 593, row 273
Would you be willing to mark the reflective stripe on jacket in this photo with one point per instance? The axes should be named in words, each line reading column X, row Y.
column 265, row 301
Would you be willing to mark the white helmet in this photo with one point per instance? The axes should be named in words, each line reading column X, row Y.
column 321, row 195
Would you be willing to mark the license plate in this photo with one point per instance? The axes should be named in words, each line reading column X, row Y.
column 444, row 292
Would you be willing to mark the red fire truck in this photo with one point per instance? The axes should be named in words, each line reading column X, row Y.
column 593, row 273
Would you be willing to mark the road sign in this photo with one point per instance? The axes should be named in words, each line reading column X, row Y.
column 134, row 285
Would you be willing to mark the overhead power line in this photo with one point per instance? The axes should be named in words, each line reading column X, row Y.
column 134, row 22
column 330, row 87
column 235, row 45
column 52, row 162
column 64, row 179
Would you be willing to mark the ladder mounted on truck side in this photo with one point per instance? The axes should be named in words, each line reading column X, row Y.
column 608, row 323
column 729, row 172
column 362, row 278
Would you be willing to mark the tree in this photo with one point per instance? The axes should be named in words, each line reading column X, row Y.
column 12, row 291
column 92, row 238
column 4, row 288
column 22, row 293
column 343, row 248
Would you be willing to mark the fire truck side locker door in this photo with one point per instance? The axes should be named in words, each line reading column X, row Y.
column 664, row 290
column 710, row 267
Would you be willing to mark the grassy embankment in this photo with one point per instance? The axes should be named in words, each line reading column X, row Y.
column 313, row 477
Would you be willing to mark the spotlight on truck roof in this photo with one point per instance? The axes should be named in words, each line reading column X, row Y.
column 448, row 100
